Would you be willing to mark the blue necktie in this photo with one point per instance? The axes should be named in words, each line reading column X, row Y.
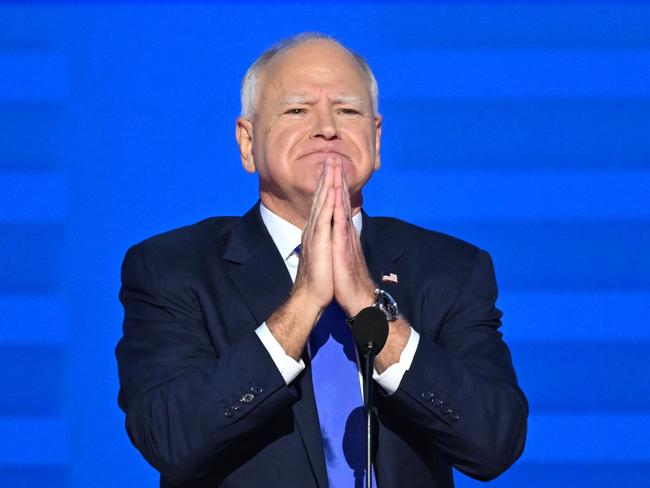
column 338, row 398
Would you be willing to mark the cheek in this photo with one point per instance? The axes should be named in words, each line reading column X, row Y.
column 360, row 131
column 364, row 159
column 283, row 142
column 364, row 142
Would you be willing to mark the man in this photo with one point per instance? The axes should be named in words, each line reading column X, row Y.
column 221, row 365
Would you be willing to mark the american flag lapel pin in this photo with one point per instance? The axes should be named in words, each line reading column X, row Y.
column 389, row 278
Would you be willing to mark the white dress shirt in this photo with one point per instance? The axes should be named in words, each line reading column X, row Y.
column 287, row 237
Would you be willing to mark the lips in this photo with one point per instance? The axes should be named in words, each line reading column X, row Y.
column 320, row 154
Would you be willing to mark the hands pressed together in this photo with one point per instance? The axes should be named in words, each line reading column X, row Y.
column 332, row 267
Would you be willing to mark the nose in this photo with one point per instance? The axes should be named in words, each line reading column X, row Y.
column 325, row 125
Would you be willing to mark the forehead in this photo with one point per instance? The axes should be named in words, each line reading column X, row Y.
column 316, row 65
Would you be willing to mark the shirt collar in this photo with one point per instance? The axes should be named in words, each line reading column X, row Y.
column 287, row 236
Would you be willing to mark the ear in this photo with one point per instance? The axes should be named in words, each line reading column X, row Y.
column 378, row 120
column 244, row 135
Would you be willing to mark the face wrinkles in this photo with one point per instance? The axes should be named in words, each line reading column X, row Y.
column 314, row 103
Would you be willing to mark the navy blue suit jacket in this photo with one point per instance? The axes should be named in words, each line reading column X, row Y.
column 189, row 356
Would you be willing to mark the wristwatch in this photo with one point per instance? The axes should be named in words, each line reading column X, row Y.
column 387, row 304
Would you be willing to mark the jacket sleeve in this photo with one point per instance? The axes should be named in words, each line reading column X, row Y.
column 461, row 391
column 187, row 404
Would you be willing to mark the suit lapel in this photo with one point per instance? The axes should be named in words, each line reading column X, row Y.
column 383, row 254
column 255, row 266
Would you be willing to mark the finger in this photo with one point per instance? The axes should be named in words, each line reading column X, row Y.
column 323, row 223
column 328, row 183
column 340, row 217
column 337, row 173
column 339, row 200
column 340, row 231
column 352, row 234
column 320, row 225
column 318, row 197
column 345, row 203
column 346, row 195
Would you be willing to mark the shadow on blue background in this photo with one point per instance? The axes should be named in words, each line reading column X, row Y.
column 522, row 127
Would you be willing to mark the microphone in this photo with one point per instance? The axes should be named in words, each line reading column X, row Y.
column 370, row 332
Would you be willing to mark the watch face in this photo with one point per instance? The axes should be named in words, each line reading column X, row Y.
column 387, row 304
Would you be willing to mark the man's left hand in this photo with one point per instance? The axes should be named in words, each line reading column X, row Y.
column 353, row 287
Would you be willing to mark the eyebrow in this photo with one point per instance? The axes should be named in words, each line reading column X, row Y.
column 298, row 100
column 349, row 99
column 308, row 100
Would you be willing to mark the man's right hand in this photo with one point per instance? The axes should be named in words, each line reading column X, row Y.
column 313, row 289
column 314, row 279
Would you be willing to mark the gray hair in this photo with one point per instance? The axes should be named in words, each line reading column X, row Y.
column 249, row 82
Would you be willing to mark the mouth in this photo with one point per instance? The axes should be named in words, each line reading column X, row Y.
column 321, row 156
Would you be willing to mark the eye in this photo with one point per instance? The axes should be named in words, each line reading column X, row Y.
column 349, row 111
column 296, row 111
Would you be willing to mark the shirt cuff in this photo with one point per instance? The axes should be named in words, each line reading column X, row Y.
column 288, row 367
column 390, row 379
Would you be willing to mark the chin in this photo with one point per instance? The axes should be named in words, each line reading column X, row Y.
column 310, row 176
column 308, row 188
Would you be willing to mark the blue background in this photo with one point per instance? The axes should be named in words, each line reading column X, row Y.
column 521, row 127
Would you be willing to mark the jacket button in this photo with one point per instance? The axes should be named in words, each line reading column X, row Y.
column 427, row 396
column 437, row 402
column 228, row 412
column 238, row 406
column 446, row 410
column 454, row 416
column 256, row 389
column 247, row 397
